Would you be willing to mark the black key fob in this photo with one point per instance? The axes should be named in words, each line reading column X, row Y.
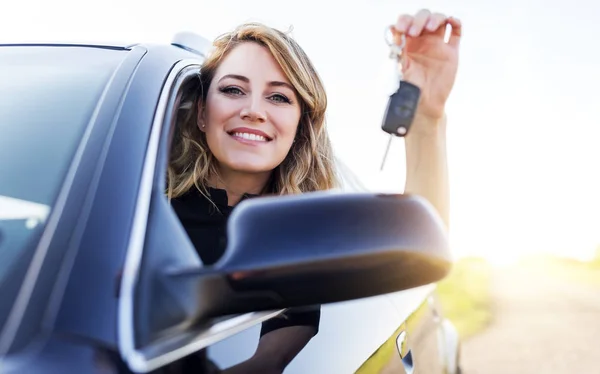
column 401, row 109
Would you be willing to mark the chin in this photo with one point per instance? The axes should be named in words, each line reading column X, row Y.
column 249, row 165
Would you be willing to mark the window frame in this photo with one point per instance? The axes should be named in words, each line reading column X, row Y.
column 159, row 354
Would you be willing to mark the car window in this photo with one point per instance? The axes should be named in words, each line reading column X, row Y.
column 45, row 107
column 349, row 181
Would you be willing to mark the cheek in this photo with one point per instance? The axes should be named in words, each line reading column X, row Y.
column 287, row 125
column 217, row 110
column 213, row 119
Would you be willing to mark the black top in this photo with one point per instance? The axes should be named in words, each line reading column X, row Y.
column 206, row 227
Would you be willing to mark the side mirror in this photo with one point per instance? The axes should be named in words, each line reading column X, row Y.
column 319, row 248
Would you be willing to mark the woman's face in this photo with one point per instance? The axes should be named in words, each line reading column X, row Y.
column 251, row 113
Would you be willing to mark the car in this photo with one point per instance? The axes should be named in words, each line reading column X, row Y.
column 97, row 274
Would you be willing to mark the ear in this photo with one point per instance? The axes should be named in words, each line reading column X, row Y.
column 200, row 120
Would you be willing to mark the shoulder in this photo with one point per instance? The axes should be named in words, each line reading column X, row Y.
column 194, row 203
column 190, row 202
column 183, row 203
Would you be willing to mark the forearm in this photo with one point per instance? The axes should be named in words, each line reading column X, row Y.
column 427, row 166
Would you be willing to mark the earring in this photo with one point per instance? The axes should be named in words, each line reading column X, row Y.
column 203, row 125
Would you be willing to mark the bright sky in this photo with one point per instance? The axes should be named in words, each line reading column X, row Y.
column 523, row 117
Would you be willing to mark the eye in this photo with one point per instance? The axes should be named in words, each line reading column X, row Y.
column 279, row 98
column 231, row 90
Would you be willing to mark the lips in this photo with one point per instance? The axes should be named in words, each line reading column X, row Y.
column 248, row 134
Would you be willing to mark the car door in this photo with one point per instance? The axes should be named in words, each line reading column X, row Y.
column 354, row 336
column 418, row 345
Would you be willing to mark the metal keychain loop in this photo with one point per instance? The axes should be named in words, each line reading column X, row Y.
column 395, row 49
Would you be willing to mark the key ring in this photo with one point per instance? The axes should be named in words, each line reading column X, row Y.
column 395, row 49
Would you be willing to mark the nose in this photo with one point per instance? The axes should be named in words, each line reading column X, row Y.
column 253, row 112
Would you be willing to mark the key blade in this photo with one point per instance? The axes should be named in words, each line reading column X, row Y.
column 387, row 150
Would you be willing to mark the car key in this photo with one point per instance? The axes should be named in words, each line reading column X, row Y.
column 401, row 109
column 402, row 104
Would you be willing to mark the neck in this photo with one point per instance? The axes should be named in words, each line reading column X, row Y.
column 237, row 184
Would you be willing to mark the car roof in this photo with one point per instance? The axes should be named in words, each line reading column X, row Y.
column 185, row 39
column 57, row 44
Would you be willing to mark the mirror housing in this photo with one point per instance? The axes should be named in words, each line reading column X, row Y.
column 319, row 248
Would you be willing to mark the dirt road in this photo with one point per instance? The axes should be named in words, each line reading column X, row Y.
column 541, row 325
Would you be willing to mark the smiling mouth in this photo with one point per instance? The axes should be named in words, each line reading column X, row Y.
column 249, row 137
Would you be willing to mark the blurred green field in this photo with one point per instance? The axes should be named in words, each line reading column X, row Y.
column 567, row 269
column 465, row 295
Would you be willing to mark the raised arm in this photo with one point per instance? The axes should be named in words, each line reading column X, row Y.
column 430, row 63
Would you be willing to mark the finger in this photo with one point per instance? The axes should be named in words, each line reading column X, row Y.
column 419, row 22
column 401, row 27
column 456, row 32
column 435, row 23
column 403, row 23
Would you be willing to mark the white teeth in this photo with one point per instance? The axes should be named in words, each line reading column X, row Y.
column 254, row 137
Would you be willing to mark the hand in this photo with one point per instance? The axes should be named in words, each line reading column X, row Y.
column 428, row 61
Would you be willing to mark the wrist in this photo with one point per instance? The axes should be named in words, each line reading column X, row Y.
column 425, row 126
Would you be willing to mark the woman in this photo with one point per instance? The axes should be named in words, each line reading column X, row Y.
column 256, row 126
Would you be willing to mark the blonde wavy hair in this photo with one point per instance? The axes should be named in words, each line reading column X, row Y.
column 309, row 165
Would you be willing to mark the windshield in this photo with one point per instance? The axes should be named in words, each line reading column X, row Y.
column 47, row 97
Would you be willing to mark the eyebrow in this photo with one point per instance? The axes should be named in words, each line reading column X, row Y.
column 245, row 79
